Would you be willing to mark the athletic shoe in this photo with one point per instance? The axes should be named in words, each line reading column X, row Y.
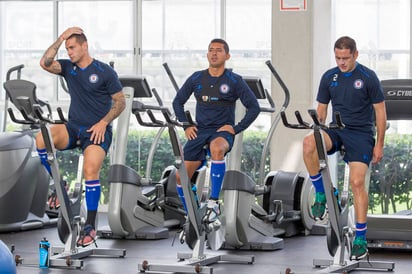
column 359, row 249
column 212, row 211
column 319, row 207
column 87, row 236
column 53, row 201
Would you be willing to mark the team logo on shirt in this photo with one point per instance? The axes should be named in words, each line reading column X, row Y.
column 358, row 84
column 205, row 98
column 93, row 78
column 224, row 88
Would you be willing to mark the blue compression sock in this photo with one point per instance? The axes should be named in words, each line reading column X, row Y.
column 217, row 172
column 181, row 196
column 43, row 158
column 92, row 194
column 317, row 182
column 361, row 230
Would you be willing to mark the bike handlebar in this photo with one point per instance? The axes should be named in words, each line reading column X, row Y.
column 316, row 123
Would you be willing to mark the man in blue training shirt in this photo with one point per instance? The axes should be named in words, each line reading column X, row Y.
column 355, row 91
column 96, row 100
column 216, row 91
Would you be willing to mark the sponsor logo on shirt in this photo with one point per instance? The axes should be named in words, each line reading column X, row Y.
column 209, row 99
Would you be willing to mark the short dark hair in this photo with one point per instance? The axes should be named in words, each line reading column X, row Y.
column 345, row 42
column 221, row 41
column 80, row 38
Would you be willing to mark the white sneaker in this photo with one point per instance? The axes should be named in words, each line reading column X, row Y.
column 213, row 211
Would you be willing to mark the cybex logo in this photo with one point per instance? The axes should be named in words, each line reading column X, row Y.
column 400, row 92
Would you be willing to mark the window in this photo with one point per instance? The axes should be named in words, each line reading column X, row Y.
column 382, row 32
column 173, row 31
column 23, row 41
column 107, row 24
column 180, row 41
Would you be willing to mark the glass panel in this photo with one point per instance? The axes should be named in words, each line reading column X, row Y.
column 377, row 34
column 109, row 29
column 390, row 190
column 248, row 32
column 250, row 43
column 181, row 41
column 23, row 41
column 176, row 32
column 108, row 26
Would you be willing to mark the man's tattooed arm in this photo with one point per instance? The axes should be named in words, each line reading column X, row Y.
column 118, row 106
column 47, row 62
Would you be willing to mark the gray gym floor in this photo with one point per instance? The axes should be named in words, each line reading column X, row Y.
column 298, row 254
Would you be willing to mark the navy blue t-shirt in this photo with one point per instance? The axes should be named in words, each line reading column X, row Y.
column 216, row 100
column 90, row 91
column 352, row 94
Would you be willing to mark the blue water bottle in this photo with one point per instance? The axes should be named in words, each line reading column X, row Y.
column 44, row 247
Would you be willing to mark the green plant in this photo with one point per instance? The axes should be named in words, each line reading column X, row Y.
column 390, row 180
column 138, row 146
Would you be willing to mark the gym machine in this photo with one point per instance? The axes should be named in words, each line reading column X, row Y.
column 339, row 234
column 24, row 182
column 258, row 226
column 70, row 223
column 197, row 228
column 139, row 208
column 393, row 231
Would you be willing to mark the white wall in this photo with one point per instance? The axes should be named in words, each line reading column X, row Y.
column 301, row 52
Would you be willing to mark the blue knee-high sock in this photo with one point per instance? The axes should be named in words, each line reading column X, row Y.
column 92, row 194
column 43, row 158
column 181, row 196
column 92, row 200
column 317, row 182
column 361, row 230
column 217, row 172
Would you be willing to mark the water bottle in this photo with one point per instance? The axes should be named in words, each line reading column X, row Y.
column 44, row 247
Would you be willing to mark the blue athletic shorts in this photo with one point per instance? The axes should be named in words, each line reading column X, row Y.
column 79, row 137
column 194, row 149
column 358, row 145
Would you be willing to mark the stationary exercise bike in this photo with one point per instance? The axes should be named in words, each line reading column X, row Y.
column 198, row 227
column 286, row 195
column 24, row 182
column 239, row 192
column 252, row 225
column 339, row 234
column 70, row 222
column 139, row 208
column 201, row 177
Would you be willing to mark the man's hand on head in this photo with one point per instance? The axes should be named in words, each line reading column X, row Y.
column 69, row 32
